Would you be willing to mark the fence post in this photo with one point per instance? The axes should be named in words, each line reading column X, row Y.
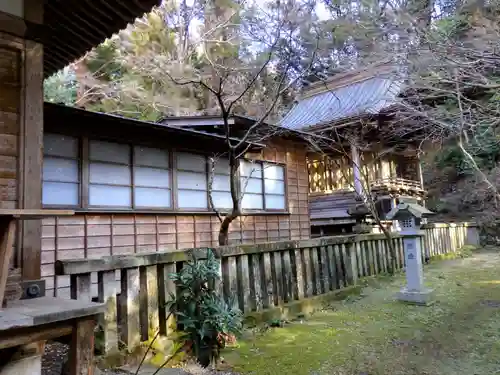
column 106, row 285
column 351, row 264
column 472, row 235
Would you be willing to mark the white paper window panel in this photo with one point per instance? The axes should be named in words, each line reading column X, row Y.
column 251, row 185
column 221, row 183
column 151, row 177
column 251, row 169
column 102, row 173
column 60, row 145
column 273, row 171
column 151, row 197
column 191, row 180
column 57, row 169
column 151, row 157
column 15, row 7
column 113, row 196
column 108, row 151
column 274, row 186
column 222, row 199
column 221, row 166
column 192, row 199
column 275, row 202
column 60, row 193
column 252, row 201
column 191, row 162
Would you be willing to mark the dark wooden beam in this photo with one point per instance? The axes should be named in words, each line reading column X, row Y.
column 22, row 28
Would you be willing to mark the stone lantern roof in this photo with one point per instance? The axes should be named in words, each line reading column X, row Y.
column 408, row 209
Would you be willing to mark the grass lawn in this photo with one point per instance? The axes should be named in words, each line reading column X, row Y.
column 373, row 334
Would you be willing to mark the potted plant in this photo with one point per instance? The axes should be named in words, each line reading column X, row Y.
column 205, row 317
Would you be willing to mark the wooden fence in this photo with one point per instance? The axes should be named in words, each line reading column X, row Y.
column 262, row 275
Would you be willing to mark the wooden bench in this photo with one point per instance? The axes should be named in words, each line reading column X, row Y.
column 26, row 325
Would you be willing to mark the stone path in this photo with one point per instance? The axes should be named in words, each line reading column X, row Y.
column 150, row 370
column 188, row 369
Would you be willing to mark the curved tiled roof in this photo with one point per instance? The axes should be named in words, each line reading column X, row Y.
column 366, row 97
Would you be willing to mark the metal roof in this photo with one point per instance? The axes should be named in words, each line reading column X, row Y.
column 366, row 97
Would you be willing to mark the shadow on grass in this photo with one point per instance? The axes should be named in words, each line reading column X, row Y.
column 459, row 334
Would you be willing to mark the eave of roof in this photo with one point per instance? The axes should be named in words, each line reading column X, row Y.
column 215, row 121
column 52, row 108
column 72, row 28
column 204, row 120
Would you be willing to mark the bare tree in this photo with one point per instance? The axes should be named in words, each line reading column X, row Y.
column 234, row 81
column 450, row 106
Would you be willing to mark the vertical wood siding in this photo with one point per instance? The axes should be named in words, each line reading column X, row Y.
column 96, row 235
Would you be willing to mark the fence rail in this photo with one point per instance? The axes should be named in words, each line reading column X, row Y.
column 135, row 288
column 397, row 182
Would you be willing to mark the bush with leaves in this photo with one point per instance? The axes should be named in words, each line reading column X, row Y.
column 205, row 317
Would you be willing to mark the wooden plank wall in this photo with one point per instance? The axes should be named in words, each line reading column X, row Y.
column 94, row 235
column 10, row 124
column 10, row 107
column 21, row 130
column 326, row 176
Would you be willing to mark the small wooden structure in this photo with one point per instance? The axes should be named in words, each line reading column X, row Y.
column 25, row 325
column 357, row 110
column 165, row 205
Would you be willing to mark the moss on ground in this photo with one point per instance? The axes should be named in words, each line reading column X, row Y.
column 374, row 334
column 464, row 252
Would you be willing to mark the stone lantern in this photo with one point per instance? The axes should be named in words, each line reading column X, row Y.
column 409, row 216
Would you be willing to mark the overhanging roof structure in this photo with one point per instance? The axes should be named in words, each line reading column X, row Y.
column 348, row 95
column 73, row 27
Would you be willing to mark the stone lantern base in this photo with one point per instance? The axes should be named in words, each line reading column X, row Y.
column 417, row 297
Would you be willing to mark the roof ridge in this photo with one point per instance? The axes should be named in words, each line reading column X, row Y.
column 349, row 78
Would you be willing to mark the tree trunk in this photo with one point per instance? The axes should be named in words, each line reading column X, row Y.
column 236, row 211
column 224, row 230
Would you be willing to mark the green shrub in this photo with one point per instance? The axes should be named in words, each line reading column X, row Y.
column 200, row 311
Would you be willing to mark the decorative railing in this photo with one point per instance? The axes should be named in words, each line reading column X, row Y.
column 136, row 287
column 397, row 183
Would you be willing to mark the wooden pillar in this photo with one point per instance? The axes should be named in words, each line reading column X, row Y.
column 81, row 355
column 356, row 169
column 32, row 142
column 21, row 127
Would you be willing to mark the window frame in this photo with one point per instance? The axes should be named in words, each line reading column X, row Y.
column 88, row 161
column 285, row 193
column 176, row 208
column 215, row 209
column 79, row 166
column 84, row 161
column 169, row 168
